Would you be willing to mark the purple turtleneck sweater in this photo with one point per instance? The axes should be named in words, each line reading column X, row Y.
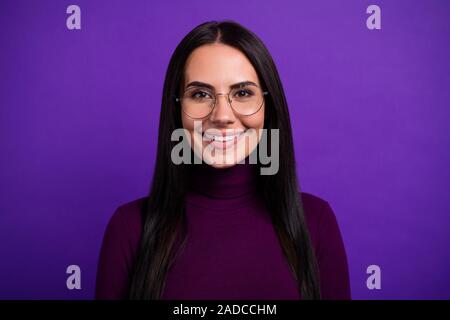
column 232, row 250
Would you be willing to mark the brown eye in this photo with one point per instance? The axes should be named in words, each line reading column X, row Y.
column 243, row 93
column 200, row 95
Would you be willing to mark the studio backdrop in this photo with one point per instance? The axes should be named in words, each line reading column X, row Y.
column 368, row 89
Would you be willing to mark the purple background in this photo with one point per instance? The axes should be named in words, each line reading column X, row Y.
column 79, row 116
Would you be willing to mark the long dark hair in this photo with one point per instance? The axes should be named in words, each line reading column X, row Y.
column 163, row 213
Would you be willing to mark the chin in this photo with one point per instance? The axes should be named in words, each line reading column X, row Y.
column 211, row 161
column 222, row 165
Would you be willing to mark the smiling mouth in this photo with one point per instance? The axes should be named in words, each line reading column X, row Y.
column 222, row 141
column 221, row 138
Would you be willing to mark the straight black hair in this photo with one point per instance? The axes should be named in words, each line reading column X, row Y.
column 163, row 215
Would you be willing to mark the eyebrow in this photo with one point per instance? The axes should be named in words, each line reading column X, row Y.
column 208, row 86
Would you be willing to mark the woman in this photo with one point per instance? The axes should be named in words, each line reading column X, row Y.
column 221, row 229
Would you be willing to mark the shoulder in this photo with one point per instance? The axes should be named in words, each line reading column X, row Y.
column 318, row 215
column 125, row 223
column 118, row 251
column 315, row 208
column 312, row 202
column 328, row 246
column 129, row 212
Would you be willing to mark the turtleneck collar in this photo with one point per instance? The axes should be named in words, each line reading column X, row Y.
column 226, row 183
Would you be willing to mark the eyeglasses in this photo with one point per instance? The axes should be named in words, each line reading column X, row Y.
column 198, row 103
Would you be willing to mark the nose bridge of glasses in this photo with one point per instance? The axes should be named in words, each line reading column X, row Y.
column 226, row 95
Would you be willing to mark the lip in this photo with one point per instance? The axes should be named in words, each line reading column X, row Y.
column 224, row 140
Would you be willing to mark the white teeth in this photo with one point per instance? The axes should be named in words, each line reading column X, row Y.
column 226, row 138
column 221, row 138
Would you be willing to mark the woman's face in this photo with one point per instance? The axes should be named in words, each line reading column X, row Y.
column 225, row 137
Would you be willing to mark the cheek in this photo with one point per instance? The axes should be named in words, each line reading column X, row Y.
column 191, row 125
column 187, row 123
column 255, row 121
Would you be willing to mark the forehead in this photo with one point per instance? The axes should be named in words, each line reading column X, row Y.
column 219, row 65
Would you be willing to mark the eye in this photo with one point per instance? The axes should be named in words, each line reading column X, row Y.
column 243, row 93
column 198, row 95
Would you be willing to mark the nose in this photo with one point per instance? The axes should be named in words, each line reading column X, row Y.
column 222, row 113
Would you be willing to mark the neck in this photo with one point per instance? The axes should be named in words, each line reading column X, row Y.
column 230, row 182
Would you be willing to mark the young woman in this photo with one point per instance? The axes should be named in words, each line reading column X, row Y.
column 221, row 229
